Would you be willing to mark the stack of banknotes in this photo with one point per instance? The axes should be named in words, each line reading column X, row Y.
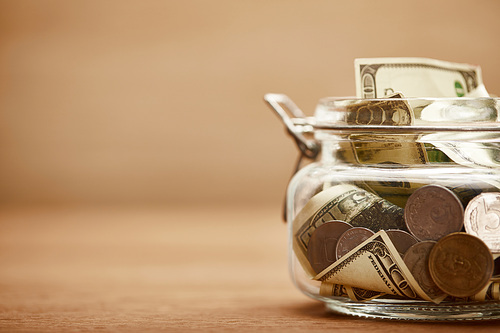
column 435, row 242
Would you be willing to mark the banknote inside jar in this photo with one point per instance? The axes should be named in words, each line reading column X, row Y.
column 415, row 226
column 401, row 252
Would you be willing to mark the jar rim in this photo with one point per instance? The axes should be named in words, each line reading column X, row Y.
column 379, row 99
column 403, row 114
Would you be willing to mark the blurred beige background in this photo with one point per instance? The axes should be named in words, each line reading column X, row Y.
column 160, row 102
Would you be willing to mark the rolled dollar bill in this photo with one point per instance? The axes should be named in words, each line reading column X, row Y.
column 328, row 289
column 494, row 291
column 332, row 289
column 489, row 293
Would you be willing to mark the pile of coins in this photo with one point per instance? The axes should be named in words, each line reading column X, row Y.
column 449, row 250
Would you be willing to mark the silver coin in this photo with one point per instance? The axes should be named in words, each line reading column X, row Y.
column 482, row 219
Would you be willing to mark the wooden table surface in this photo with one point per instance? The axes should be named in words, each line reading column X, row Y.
column 158, row 269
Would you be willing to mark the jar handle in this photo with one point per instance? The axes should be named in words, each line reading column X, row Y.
column 309, row 148
column 284, row 107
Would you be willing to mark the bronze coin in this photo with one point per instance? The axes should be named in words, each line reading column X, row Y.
column 322, row 247
column 416, row 259
column 352, row 238
column 482, row 219
column 401, row 240
column 461, row 264
column 433, row 212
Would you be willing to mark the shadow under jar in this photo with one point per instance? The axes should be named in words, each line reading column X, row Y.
column 397, row 215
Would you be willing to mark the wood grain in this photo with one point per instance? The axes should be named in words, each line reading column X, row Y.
column 155, row 269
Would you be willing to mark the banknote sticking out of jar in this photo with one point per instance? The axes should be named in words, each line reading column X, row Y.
column 396, row 213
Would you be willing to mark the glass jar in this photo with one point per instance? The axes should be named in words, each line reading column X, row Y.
column 397, row 212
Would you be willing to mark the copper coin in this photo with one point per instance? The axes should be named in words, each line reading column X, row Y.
column 322, row 247
column 461, row 264
column 416, row 259
column 482, row 219
column 352, row 238
column 401, row 240
column 433, row 212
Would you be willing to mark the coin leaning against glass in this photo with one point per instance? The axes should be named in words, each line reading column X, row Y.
column 352, row 238
column 460, row 264
column 482, row 219
column 433, row 211
column 322, row 247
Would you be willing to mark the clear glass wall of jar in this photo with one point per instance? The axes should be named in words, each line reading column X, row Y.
column 399, row 215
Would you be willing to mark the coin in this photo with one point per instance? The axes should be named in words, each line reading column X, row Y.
column 352, row 238
column 322, row 247
column 461, row 264
column 482, row 219
column 433, row 212
column 401, row 240
column 416, row 259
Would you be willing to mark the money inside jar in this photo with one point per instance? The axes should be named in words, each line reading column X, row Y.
column 405, row 214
